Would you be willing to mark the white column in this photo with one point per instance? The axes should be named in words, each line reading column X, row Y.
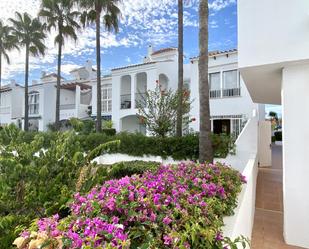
column 295, row 107
column 133, row 87
column 116, row 91
column 77, row 100
column 221, row 83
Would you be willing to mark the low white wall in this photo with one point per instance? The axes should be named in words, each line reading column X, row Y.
column 246, row 161
column 117, row 157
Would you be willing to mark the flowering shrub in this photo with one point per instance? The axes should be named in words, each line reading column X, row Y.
column 179, row 206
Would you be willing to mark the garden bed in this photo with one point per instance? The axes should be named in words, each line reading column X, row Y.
column 177, row 206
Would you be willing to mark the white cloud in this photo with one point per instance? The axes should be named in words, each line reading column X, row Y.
column 217, row 5
column 147, row 21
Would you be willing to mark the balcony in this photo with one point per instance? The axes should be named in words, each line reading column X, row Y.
column 68, row 111
column 225, row 93
column 125, row 101
column 67, row 107
column 140, row 100
column 233, row 92
column 5, row 110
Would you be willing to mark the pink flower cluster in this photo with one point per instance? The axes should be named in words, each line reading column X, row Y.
column 160, row 204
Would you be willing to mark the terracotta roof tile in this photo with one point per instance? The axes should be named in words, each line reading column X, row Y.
column 218, row 52
column 134, row 65
column 163, row 50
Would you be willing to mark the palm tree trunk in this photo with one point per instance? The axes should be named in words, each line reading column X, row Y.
column 180, row 68
column 0, row 81
column 57, row 118
column 98, row 47
column 205, row 145
column 26, row 116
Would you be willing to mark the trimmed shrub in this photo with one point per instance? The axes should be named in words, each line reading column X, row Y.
column 278, row 135
column 109, row 132
column 179, row 148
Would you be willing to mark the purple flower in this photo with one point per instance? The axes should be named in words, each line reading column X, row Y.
column 167, row 240
column 167, row 220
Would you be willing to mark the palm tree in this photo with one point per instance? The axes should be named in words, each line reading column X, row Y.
column 30, row 34
column 7, row 42
column 61, row 16
column 205, row 146
column 110, row 12
column 180, row 68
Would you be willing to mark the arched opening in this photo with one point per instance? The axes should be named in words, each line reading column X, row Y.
column 132, row 124
column 163, row 80
column 125, row 92
column 141, row 89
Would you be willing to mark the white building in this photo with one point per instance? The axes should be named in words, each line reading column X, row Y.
column 230, row 104
column 274, row 62
column 75, row 99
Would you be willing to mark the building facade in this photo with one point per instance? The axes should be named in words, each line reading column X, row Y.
column 230, row 103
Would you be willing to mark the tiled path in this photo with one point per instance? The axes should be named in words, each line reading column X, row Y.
column 268, row 220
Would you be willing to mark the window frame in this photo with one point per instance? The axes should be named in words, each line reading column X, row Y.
column 107, row 95
column 34, row 103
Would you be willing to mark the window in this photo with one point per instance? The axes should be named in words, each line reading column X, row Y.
column 107, row 98
column 214, row 80
column 215, row 85
column 34, row 98
column 231, row 83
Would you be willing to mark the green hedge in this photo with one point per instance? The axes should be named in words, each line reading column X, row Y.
column 186, row 147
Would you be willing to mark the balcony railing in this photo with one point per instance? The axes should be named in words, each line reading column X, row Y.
column 214, row 94
column 125, row 101
column 233, row 92
column 223, row 93
column 67, row 107
column 5, row 110
column 140, row 100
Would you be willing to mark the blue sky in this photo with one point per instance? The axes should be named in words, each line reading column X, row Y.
column 143, row 22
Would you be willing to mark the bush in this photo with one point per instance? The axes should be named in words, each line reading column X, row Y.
column 179, row 206
column 109, row 131
column 278, row 135
column 179, row 148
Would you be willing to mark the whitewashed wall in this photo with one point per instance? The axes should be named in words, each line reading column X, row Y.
column 246, row 161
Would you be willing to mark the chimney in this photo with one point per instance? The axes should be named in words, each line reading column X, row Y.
column 13, row 83
column 43, row 74
column 150, row 51
column 88, row 66
column 146, row 59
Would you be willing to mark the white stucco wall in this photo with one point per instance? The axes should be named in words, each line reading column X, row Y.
column 242, row 105
column 272, row 31
column 245, row 161
column 295, row 105
column 67, row 97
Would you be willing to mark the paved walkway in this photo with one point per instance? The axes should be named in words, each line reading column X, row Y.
column 268, row 220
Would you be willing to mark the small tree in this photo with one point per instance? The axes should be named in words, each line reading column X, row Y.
column 158, row 110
